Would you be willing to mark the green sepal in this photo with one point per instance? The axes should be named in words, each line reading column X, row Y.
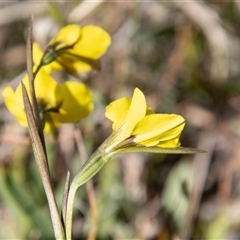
column 49, row 56
column 91, row 167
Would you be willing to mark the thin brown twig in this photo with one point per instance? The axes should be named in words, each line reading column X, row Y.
column 89, row 185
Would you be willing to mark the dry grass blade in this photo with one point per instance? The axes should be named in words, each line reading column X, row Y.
column 31, row 83
column 41, row 160
column 30, row 71
column 37, row 138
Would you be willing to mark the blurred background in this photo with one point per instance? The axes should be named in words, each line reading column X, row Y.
column 185, row 57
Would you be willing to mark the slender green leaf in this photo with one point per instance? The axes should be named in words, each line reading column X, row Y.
column 139, row 148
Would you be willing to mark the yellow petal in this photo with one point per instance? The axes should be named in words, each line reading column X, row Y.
column 156, row 128
column 48, row 91
column 73, row 66
column 14, row 103
column 47, row 127
column 66, row 37
column 77, row 103
column 134, row 114
column 93, row 42
column 173, row 143
column 117, row 110
column 49, row 123
column 37, row 53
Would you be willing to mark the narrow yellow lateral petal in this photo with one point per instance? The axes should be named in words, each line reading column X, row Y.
column 73, row 66
column 77, row 103
column 66, row 37
column 79, row 66
column 93, row 43
column 155, row 128
column 172, row 143
column 14, row 103
column 117, row 110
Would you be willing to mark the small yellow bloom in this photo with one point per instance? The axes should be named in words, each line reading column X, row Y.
column 136, row 128
column 134, row 124
column 66, row 103
column 74, row 48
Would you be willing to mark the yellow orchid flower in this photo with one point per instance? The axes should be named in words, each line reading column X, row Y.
column 66, row 103
column 74, row 48
column 136, row 128
column 135, row 125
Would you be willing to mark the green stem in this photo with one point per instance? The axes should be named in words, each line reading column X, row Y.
column 69, row 211
column 36, row 71
column 86, row 172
